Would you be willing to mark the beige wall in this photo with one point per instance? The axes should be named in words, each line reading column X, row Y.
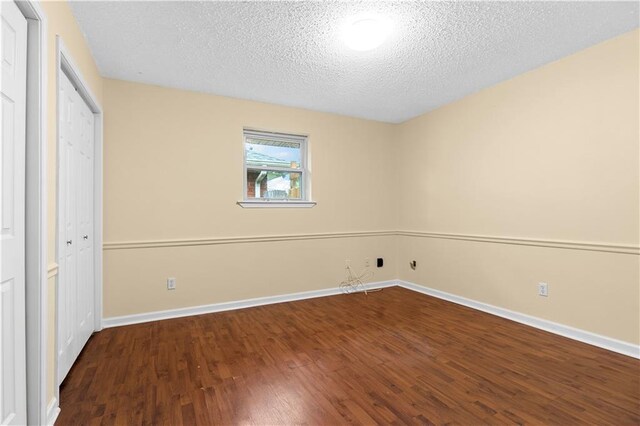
column 173, row 171
column 60, row 22
column 552, row 154
column 136, row 278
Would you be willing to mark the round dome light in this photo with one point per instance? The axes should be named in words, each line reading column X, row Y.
column 366, row 34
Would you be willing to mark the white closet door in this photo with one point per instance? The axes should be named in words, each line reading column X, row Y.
column 84, row 190
column 13, row 55
column 76, row 283
column 67, row 261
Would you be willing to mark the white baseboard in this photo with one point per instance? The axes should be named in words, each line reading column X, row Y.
column 604, row 342
column 52, row 411
column 228, row 306
column 598, row 340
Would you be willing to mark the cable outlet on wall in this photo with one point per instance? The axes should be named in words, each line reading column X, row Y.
column 347, row 263
column 543, row 289
column 171, row 283
column 367, row 262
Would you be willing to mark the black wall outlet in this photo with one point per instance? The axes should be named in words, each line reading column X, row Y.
column 380, row 262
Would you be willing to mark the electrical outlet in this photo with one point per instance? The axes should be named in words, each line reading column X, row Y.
column 347, row 263
column 543, row 289
column 171, row 283
column 367, row 263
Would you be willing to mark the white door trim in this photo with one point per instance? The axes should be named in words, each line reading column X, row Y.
column 65, row 64
column 36, row 211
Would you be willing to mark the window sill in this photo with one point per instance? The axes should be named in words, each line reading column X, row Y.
column 251, row 204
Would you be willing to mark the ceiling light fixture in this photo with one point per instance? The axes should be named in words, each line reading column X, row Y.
column 366, row 33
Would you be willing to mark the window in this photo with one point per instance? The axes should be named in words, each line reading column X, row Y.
column 275, row 170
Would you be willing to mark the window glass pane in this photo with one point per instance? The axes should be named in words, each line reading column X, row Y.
column 272, row 152
column 279, row 185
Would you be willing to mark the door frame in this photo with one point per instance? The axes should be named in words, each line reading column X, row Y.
column 65, row 64
column 36, row 236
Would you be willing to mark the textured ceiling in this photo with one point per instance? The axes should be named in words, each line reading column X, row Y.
column 291, row 53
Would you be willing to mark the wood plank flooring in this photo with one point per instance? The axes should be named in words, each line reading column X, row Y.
column 392, row 357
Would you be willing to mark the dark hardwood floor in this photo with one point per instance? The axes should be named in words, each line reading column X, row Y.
column 394, row 356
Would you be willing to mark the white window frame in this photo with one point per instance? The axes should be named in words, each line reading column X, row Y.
column 305, row 175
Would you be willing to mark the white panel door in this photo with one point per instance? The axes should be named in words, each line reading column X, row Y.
column 13, row 54
column 76, row 283
column 84, row 190
column 67, row 229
